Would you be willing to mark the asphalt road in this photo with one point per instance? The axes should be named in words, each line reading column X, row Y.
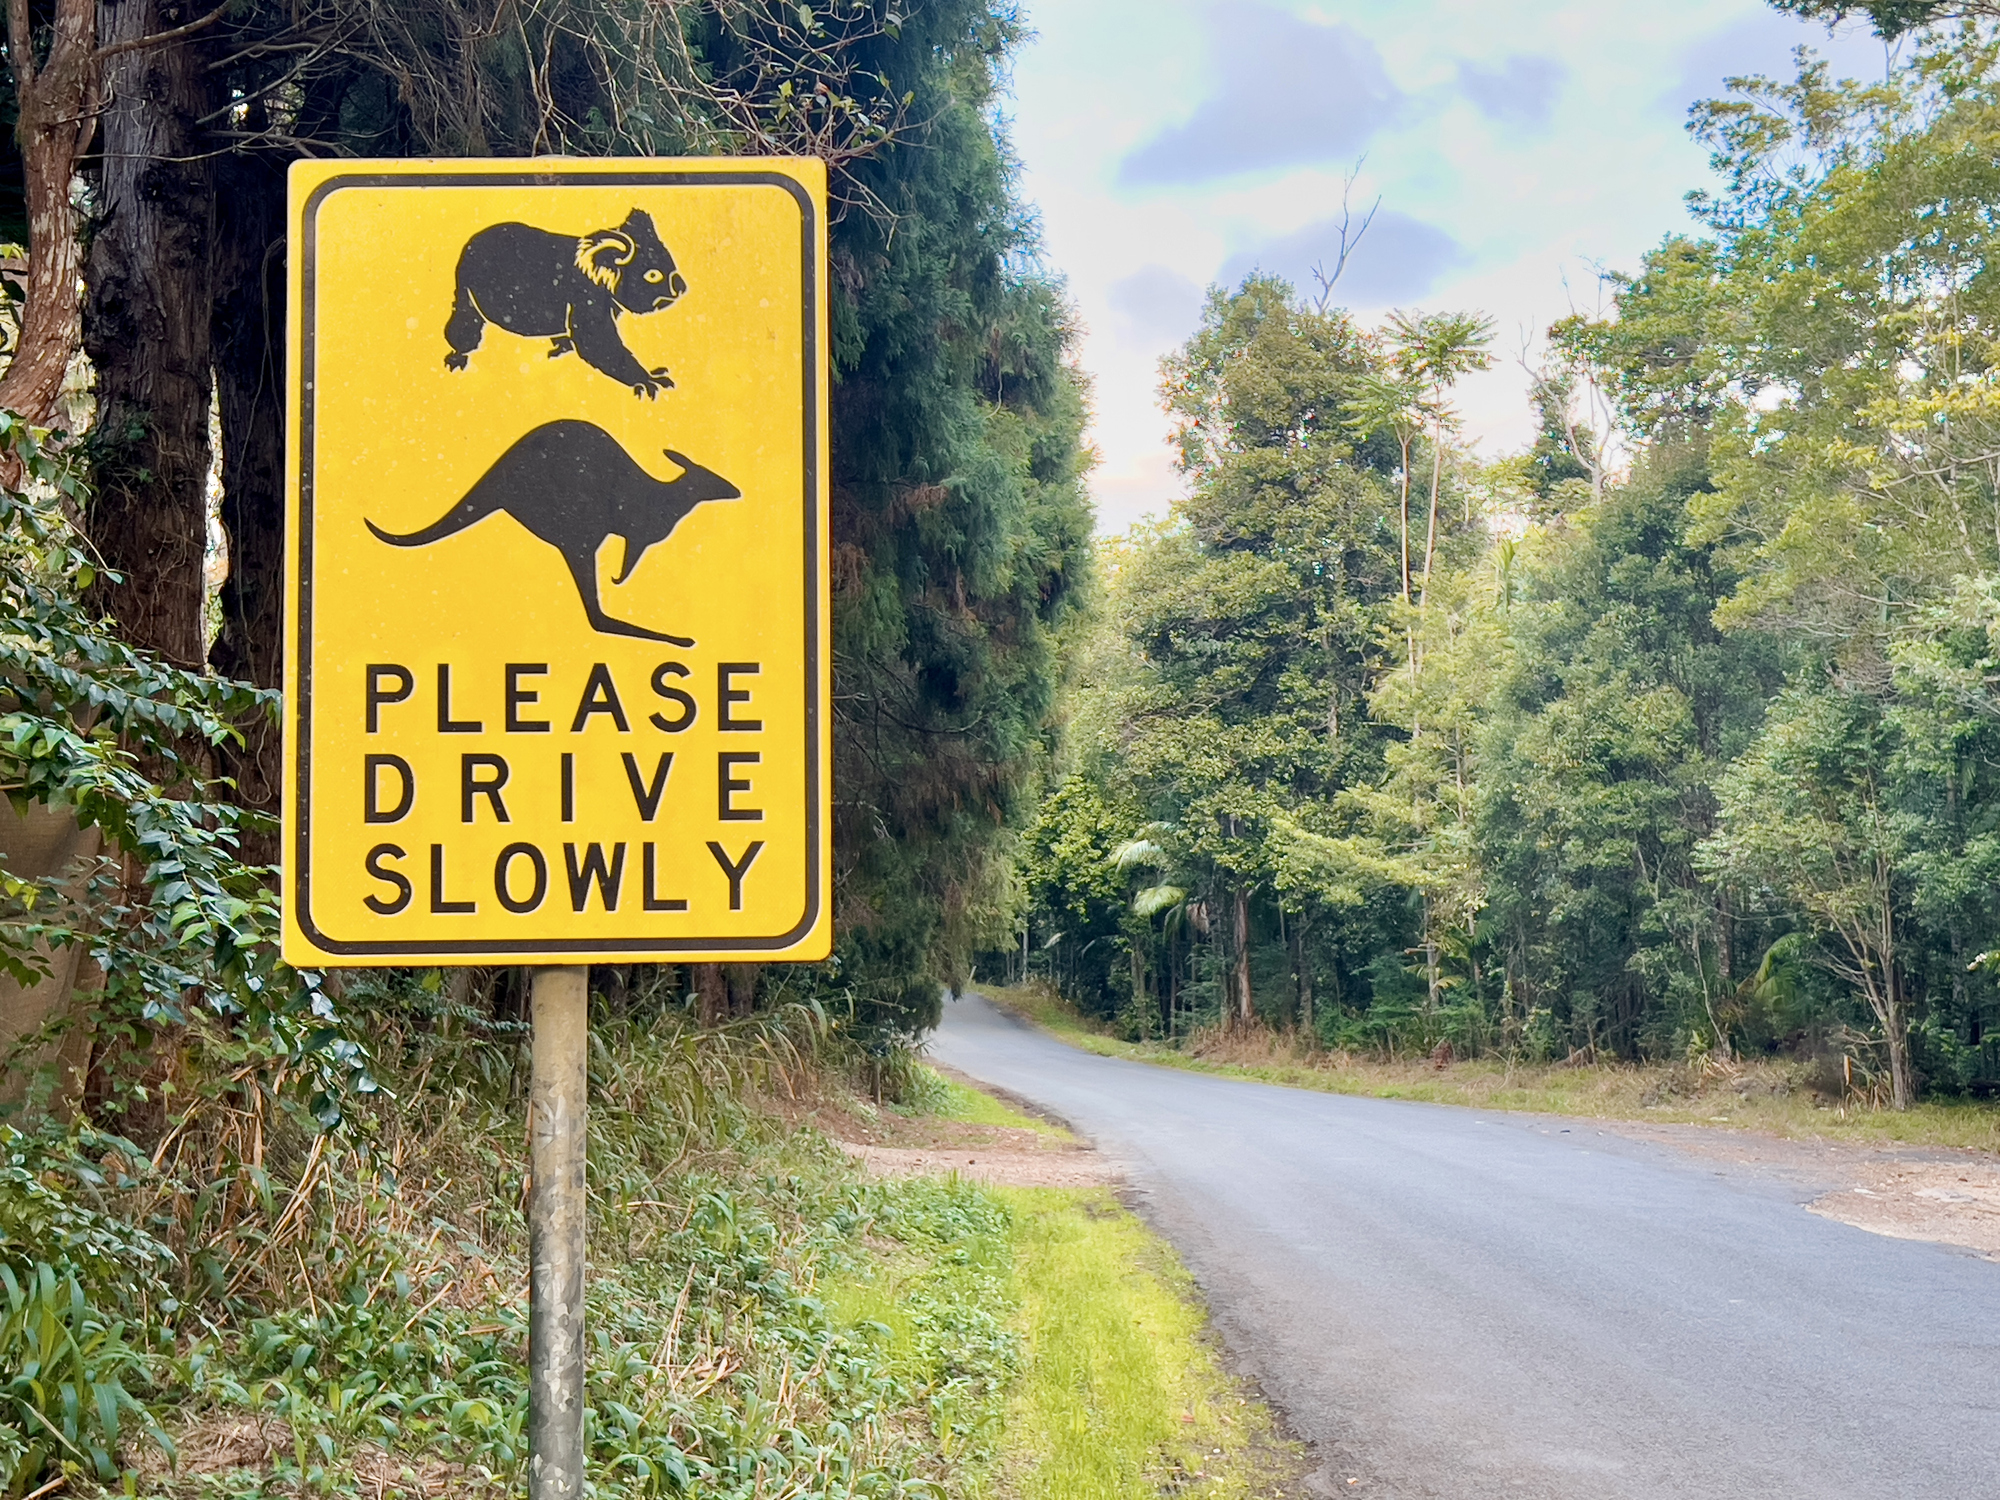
column 1460, row 1304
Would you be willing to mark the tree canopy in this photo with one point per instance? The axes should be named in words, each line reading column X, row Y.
column 1667, row 738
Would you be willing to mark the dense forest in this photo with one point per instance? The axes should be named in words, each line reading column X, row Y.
column 1676, row 736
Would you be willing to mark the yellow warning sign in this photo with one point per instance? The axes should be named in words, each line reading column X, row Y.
column 557, row 661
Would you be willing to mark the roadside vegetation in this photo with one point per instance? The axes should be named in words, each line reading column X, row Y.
column 260, row 1229
column 1672, row 739
column 1780, row 1096
column 1649, row 772
column 261, row 1308
column 1118, row 1391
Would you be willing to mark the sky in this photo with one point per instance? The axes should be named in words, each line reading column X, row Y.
column 1516, row 149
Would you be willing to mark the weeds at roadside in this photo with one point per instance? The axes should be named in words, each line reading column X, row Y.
column 1122, row 1398
column 296, row 1313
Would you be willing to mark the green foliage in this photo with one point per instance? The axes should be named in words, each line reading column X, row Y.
column 64, row 1372
column 1685, row 753
column 1225, row 716
column 960, row 523
column 361, row 1296
column 1619, row 705
column 1888, row 18
column 114, row 736
column 56, row 1187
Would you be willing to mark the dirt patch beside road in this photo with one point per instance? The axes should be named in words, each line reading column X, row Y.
column 1080, row 1167
column 1951, row 1203
column 1037, row 1152
column 1906, row 1192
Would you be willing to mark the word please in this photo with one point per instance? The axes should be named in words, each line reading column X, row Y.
column 522, row 710
column 521, row 878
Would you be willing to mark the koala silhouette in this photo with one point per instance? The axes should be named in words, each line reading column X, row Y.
column 569, row 289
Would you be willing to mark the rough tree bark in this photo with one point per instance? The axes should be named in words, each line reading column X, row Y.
column 146, row 329
column 1138, row 955
column 1302, row 973
column 711, row 994
column 741, row 980
column 248, row 332
column 57, row 106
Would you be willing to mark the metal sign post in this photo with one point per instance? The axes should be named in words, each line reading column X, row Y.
column 556, row 1106
column 557, row 664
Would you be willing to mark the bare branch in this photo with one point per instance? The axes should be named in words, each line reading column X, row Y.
column 1350, row 239
column 163, row 38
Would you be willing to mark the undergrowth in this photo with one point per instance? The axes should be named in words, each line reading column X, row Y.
column 255, row 1306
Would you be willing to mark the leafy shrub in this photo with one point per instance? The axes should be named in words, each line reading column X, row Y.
column 64, row 1372
column 54, row 1210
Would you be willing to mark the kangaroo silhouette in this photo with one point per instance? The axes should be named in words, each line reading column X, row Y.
column 574, row 487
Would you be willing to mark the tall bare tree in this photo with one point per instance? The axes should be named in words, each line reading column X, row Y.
column 56, row 95
column 146, row 325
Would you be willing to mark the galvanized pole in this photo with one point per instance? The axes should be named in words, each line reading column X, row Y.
column 556, row 1103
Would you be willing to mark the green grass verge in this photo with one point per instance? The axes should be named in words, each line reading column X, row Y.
column 1059, row 1343
column 976, row 1108
column 1120, row 1395
column 938, row 1315
column 1756, row 1095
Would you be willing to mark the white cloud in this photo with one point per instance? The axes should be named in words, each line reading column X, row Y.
column 1288, row 92
column 1515, row 146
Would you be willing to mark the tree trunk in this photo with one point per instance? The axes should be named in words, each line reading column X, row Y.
column 1138, row 981
column 741, row 981
column 1899, row 1068
column 146, row 328
column 1430, row 960
column 1895, row 1028
column 1246, row 1011
column 711, row 995
column 1406, row 523
column 248, row 329
column 56, row 106
column 1431, row 535
column 1302, row 972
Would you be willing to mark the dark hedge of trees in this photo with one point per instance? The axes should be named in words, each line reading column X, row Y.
column 960, row 521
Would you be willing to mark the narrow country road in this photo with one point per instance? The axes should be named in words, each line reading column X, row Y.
column 1464, row 1304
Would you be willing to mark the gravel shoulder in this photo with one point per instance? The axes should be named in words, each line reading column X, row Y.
column 1946, row 1197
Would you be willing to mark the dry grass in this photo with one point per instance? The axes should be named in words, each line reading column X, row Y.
column 1755, row 1095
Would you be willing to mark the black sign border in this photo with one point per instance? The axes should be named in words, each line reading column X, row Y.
column 305, row 378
